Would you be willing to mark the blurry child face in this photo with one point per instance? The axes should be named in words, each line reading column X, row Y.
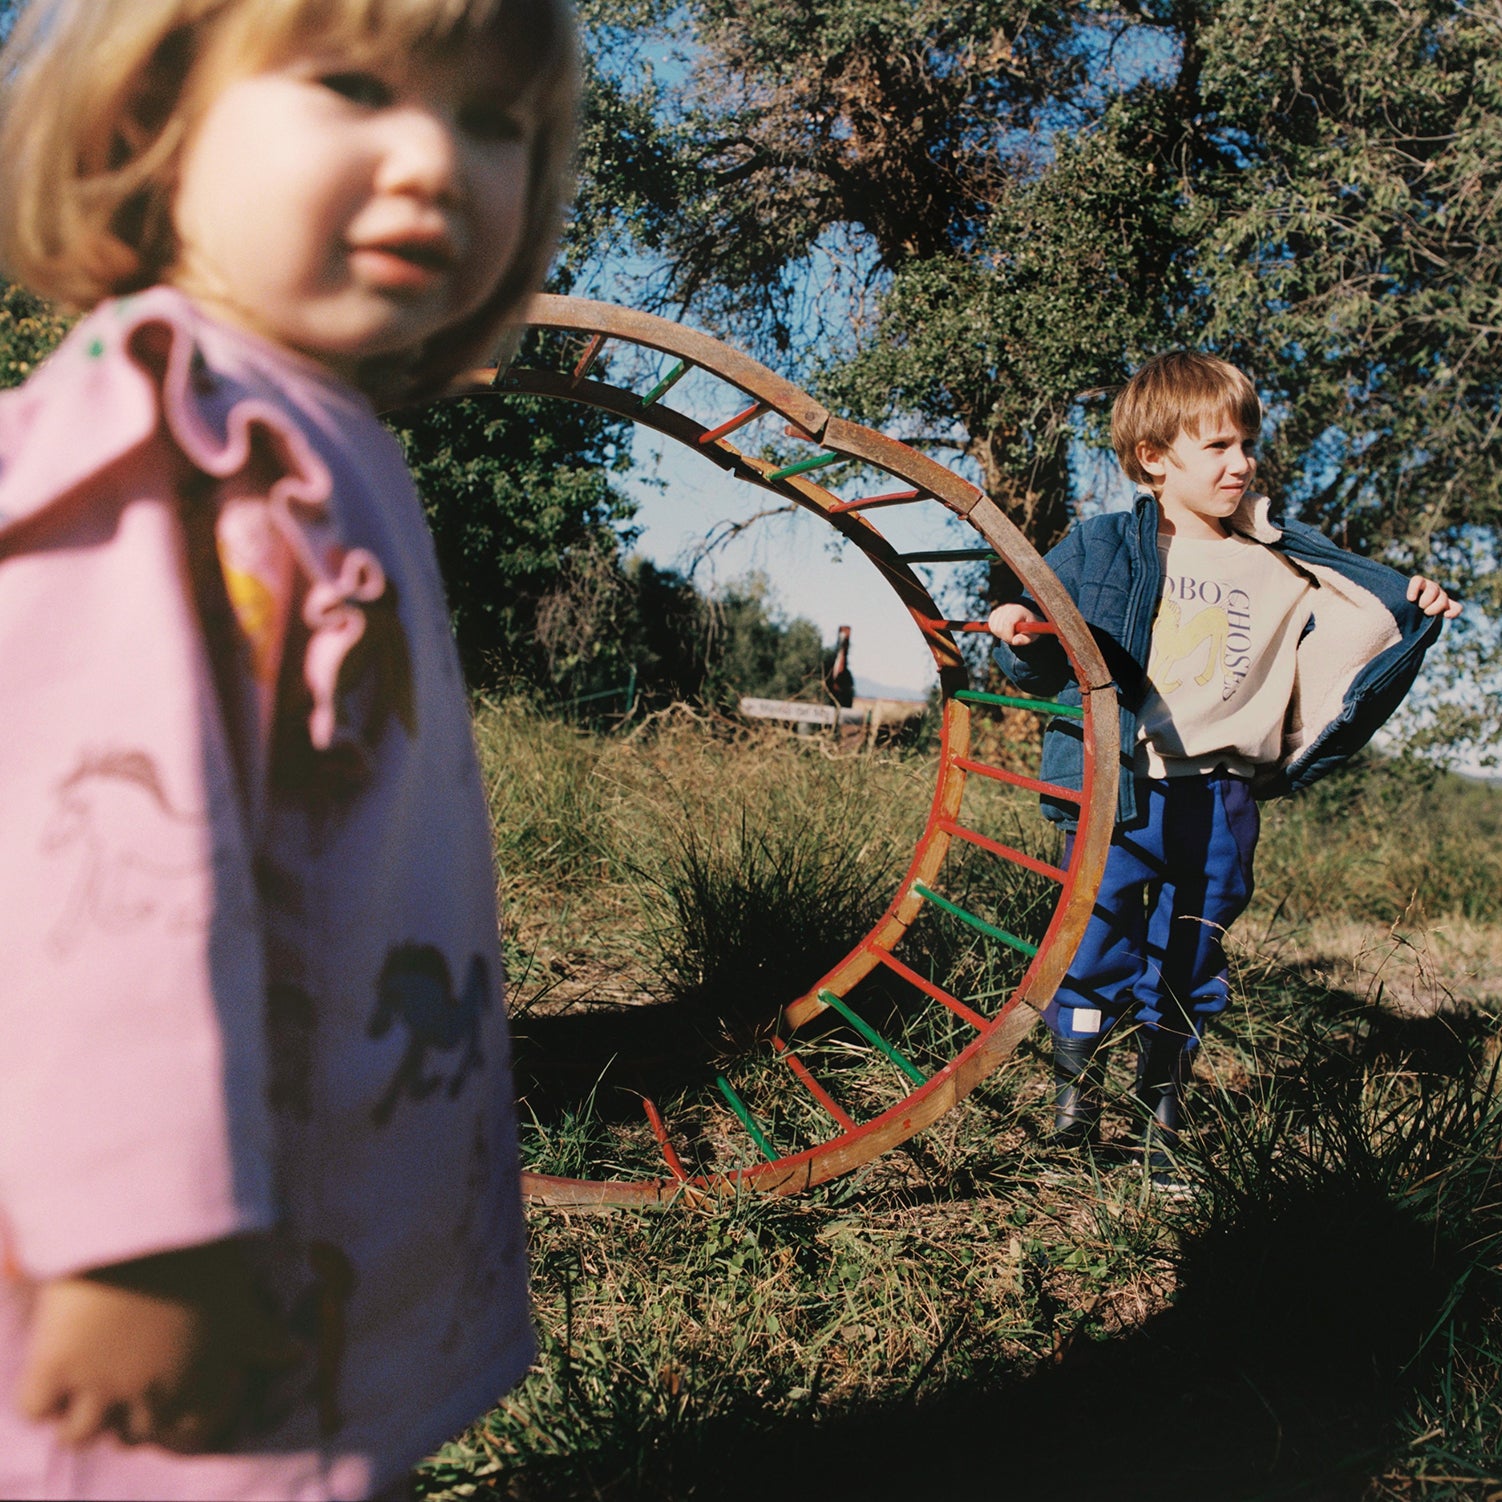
column 351, row 210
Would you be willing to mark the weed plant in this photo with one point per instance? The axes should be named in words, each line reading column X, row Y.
column 976, row 1314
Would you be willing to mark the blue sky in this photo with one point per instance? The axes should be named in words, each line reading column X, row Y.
column 812, row 571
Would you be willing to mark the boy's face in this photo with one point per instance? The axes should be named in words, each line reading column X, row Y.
column 1201, row 478
column 349, row 208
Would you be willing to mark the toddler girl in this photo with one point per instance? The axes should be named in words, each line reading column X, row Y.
column 259, row 1216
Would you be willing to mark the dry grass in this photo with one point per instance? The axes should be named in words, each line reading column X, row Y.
column 975, row 1314
column 1416, row 969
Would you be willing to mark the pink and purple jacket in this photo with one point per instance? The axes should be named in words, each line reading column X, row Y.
column 251, row 977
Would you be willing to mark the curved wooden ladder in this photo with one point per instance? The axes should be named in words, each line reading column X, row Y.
column 756, row 393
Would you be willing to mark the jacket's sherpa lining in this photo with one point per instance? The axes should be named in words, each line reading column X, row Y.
column 1352, row 629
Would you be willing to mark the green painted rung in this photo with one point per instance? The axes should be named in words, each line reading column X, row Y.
column 737, row 1105
column 666, row 384
column 874, row 1038
column 950, row 555
column 804, row 465
column 980, row 924
column 1043, row 706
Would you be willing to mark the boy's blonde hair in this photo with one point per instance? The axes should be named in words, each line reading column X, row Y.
column 1179, row 393
column 99, row 97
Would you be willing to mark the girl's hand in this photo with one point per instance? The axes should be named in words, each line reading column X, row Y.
column 155, row 1351
column 1431, row 598
column 1009, row 624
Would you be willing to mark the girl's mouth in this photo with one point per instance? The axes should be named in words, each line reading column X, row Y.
column 403, row 265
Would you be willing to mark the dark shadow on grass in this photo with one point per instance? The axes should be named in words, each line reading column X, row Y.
column 1443, row 1043
column 1329, row 1277
column 1360, row 1028
column 1282, row 1372
column 618, row 1054
column 611, row 1056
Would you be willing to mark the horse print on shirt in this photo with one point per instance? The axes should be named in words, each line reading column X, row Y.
column 1177, row 642
column 138, row 859
column 416, row 989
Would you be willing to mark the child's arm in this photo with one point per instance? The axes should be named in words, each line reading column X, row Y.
column 156, row 1351
column 1036, row 664
column 1431, row 598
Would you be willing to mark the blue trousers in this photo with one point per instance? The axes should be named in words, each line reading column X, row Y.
column 1174, row 882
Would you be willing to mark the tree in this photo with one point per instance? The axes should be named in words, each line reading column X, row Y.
column 518, row 493
column 888, row 135
column 969, row 219
column 755, row 649
column 609, row 622
column 29, row 331
column 1355, row 263
column 1354, row 260
column 625, row 629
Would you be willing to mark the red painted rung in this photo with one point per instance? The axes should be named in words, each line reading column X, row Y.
column 891, row 498
column 930, row 623
column 590, row 355
column 660, row 1132
column 928, row 988
column 1018, row 780
column 1043, row 628
column 738, row 421
column 814, row 1088
column 1017, row 857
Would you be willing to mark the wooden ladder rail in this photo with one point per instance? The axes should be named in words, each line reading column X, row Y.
column 925, row 482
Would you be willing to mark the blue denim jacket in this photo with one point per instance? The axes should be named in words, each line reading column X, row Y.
column 1109, row 565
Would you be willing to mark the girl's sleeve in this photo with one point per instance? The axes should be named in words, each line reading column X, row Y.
column 133, row 1112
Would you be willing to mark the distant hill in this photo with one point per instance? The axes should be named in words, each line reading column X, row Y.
column 869, row 688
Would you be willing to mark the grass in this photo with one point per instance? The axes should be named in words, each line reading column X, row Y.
column 1381, row 836
column 975, row 1314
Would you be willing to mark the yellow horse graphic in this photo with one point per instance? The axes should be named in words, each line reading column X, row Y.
column 1174, row 644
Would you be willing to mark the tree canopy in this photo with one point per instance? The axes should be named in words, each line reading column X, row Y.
column 968, row 220
column 519, row 496
column 29, row 330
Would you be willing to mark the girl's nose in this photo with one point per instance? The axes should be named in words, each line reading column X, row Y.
column 421, row 154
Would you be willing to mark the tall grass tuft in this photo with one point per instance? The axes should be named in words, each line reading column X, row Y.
column 751, row 916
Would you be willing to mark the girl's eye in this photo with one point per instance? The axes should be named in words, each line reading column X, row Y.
column 359, row 88
column 485, row 121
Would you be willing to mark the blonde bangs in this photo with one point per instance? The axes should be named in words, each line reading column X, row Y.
column 97, row 96
column 1180, row 392
column 537, row 34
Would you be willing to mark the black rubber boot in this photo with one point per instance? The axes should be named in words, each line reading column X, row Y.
column 1162, row 1068
column 1076, row 1077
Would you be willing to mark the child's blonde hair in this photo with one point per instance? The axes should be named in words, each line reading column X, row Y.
column 1178, row 393
column 100, row 96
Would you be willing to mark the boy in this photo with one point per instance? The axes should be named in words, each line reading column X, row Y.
column 1251, row 657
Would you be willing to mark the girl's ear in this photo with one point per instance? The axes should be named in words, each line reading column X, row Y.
column 1153, row 460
